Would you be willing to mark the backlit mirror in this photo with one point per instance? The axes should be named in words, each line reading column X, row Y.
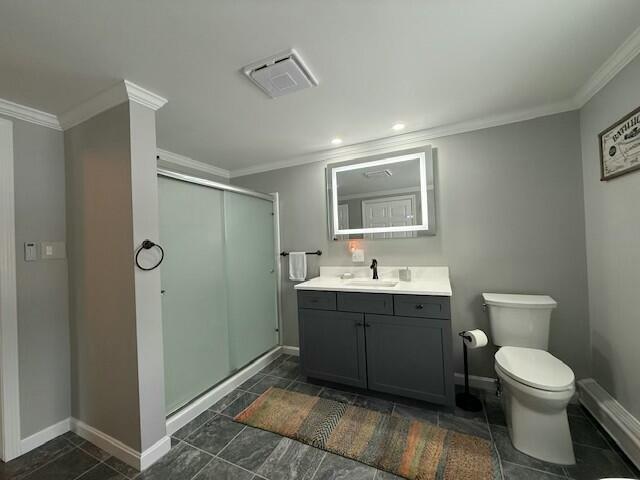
column 382, row 197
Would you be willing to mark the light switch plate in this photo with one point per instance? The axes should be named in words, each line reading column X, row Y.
column 30, row 252
column 357, row 255
column 52, row 250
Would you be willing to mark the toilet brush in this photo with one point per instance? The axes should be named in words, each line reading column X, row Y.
column 465, row 400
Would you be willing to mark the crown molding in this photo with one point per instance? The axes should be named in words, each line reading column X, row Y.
column 119, row 93
column 409, row 140
column 623, row 55
column 29, row 114
column 140, row 95
column 187, row 162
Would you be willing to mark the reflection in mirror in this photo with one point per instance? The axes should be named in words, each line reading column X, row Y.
column 382, row 198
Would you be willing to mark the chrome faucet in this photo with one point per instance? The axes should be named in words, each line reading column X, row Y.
column 374, row 267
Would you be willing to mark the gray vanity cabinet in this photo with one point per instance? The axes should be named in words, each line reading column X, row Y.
column 404, row 348
column 332, row 346
column 407, row 356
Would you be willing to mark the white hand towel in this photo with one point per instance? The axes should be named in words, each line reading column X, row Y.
column 297, row 266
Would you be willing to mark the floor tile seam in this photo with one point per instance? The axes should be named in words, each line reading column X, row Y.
column 315, row 472
column 538, row 470
column 608, row 440
column 491, row 439
column 244, row 427
column 239, row 466
column 93, row 456
column 203, row 467
column 26, row 475
column 200, row 427
column 88, row 470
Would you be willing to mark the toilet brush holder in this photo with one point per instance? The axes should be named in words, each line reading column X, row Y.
column 465, row 400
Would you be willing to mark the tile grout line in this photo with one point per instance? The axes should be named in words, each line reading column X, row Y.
column 87, row 471
column 29, row 473
column 203, row 467
column 493, row 442
column 229, row 442
column 315, row 472
column 236, row 465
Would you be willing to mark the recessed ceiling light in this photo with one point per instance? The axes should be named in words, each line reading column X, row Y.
column 398, row 126
column 336, row 141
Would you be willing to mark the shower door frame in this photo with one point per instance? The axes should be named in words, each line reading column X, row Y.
column 272, row 197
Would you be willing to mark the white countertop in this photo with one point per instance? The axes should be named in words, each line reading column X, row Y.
column 424, row 280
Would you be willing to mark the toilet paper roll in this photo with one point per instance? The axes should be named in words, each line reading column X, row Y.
column 475, row 338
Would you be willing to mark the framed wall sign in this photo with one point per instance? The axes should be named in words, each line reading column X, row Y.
column 620, row 147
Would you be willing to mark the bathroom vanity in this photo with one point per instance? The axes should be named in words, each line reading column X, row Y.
column 384, row 335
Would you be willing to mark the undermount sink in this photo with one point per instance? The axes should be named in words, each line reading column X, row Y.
column 373, row 283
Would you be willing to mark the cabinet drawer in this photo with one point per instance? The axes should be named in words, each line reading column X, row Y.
column 317, row 300
column 365, row 302
column 422, row 306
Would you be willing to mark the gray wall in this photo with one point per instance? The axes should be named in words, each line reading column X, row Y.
column 510, row 216
column 100, row 232
column 613, row 246
column 43, row 325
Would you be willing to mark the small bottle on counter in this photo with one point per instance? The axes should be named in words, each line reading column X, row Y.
column 405, row 274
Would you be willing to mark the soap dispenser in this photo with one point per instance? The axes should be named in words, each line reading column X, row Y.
column 405, row 274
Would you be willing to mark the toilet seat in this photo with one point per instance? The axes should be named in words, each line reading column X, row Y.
column 535, row 368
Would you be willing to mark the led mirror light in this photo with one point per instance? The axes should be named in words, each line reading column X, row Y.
column 424, row 225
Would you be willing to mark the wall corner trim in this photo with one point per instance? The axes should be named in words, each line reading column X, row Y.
column 620, row 58
column 623, row 427
column 43, row 436
column 9, row 366
column 28, row 114
column 121, row 92
column 130, row 456
column 187, row 162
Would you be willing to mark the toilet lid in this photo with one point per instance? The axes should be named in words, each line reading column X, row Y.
column 536, row 368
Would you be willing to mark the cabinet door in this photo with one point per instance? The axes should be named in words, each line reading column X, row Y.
column 410, row 357
column 332, row 346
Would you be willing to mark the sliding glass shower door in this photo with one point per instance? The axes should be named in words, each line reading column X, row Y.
column 194, row 304
column 251, row 277
column 219, row 308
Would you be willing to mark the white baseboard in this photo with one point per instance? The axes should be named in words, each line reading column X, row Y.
column 295, row 351
column 179, row 419
column 44, row 435
column 130, row 456
column 623, row 427
column 486, row 384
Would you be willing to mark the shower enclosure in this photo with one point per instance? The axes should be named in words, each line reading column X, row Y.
column 219, row 282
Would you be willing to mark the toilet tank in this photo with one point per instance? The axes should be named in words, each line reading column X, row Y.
column 519, row 320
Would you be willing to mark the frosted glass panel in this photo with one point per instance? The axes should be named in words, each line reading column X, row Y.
column 194, row 305
column 251, row 277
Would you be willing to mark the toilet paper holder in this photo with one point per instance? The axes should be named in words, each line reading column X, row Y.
column 465, row 400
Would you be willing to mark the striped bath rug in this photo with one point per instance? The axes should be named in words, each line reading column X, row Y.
column 405, row 447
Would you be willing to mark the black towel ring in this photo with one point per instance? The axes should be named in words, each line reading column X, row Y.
column 146, row 245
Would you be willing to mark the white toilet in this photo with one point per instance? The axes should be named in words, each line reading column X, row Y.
column 536, row 386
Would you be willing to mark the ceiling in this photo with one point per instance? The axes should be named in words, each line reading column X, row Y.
column 426, row 63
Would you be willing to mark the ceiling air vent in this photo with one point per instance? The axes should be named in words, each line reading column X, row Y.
column 281, row 74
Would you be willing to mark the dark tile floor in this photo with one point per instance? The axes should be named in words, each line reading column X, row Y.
column 213, row 447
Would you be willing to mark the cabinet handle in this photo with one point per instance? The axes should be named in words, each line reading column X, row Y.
column 359, row 324
column 367, row 325
column 419, row 306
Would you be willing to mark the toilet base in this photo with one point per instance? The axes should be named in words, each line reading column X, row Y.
column 537, row 421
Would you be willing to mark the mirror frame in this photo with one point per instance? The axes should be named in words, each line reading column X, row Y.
column 423, row 155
